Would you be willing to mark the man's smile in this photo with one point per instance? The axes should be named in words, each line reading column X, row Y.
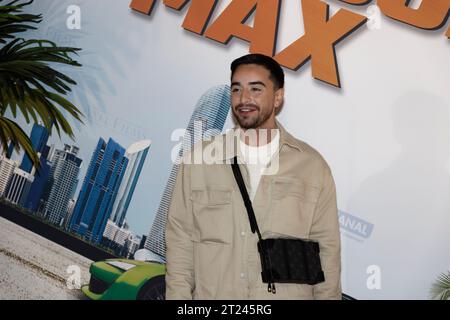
column 246, row 110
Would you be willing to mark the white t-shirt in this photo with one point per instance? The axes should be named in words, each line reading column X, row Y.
column 257, row 159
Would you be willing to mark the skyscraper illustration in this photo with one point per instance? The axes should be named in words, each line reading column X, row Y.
column 41, row 179
column 7, row 167
column 41, row 175
column 211, row 112
column 64, row 177
column 39, row 137
column 99, row 190
column 136, row 155
column 19, row 186
column 36, row 180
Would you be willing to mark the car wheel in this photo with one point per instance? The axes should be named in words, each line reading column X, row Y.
column 154, row 289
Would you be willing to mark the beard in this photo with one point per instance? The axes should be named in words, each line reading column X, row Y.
column 251, row 121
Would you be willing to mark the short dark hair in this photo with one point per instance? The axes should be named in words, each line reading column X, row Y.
column 276, row 72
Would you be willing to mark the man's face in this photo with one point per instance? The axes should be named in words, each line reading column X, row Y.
column 254, row 99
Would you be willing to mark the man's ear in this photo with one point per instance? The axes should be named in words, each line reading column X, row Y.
column 279, row 97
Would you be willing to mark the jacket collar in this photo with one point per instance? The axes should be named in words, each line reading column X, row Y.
column 232, row 147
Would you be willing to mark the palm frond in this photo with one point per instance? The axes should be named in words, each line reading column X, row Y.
column 29, row 85
column 28, row 60
column 11, row 132
column 37, row 105
column 13, row 21
column 441, row 288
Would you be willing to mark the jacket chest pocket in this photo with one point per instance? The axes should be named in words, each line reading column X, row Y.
column 293, row 205
column 212, row 212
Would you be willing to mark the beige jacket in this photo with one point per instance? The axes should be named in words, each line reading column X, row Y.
column 211, row 251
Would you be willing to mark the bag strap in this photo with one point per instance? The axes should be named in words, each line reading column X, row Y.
column 248, row 204
column 251, row 216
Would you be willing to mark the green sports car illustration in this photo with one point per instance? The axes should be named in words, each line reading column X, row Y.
column 122, row 279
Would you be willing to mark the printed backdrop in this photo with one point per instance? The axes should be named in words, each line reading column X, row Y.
column 385, row 133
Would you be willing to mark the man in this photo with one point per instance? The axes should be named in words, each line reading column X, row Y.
column 211, row 251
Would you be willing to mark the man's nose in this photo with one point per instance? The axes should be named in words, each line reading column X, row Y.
column 245, row 97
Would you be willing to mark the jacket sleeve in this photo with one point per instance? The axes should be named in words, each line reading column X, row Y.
column 179, row 246
column 325, row 229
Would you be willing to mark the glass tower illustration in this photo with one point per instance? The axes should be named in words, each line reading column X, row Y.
column 39, row 137
column 99, row 190
column 136, row 155
column 41, row 178
column 63, row 182
column 211, row 111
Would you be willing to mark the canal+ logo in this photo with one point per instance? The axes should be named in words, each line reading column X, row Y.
column 354, row 227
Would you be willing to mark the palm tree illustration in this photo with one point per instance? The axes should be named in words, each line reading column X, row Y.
column 29, row 85
column 441, row 288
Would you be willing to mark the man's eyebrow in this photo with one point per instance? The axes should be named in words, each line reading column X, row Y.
column 250, row 83
column 257, row 82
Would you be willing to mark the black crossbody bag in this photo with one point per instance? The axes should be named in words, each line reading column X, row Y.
column 282, row 260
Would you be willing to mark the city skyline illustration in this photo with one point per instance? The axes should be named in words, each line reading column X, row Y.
column 87, row 211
